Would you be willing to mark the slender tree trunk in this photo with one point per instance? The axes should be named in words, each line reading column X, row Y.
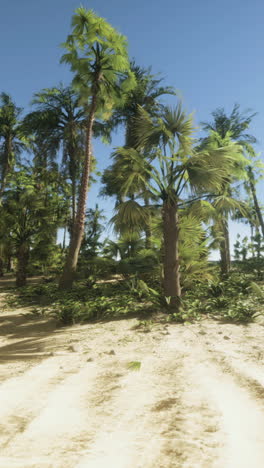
column 22, row 262
column 223, row 259
column 252, row 239
column 68, row 274
column 3, row 179
column 225, row 249
column 148, row 237
column 73, row 200
column 148, row 232
column 255, row 200
column 1, row 267
column 227, row 241
column 6, row 165
column 64, row 238
column 172, row 286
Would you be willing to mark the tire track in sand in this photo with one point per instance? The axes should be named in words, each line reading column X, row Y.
column 242, row 416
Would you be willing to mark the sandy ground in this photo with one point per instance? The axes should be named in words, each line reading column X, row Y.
column 69, row 398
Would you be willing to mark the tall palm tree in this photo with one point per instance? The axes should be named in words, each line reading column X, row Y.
column 97, row 54
column 177, row 167
column 12, row 137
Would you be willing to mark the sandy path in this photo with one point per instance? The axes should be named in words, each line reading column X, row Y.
column 196, row 401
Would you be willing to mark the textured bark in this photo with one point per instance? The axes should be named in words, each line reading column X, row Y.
column 22, row 262
column 73, row 178
column 172, row 286
column 225, row 258
column 227, row 241
column 68, row 274
column 73, row 199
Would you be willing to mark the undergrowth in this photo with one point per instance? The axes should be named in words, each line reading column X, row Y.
column 101, row 301
column 237, row 299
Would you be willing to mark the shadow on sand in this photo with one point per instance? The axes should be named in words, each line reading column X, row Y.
column 32, row 338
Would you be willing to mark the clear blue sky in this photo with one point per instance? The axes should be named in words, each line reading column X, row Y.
column 212, row 51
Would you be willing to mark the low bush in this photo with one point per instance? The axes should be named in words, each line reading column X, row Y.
column 236, row 299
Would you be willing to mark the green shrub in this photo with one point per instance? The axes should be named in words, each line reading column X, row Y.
column 96, row 308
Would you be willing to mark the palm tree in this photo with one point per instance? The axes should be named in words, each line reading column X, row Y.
column 57, row 123
column 97, row 54
column 12, row 137
column 234, row 125
column 221, row 130
column 126, row 170
column 224, row 202
column 147, row 94
column 176, row 168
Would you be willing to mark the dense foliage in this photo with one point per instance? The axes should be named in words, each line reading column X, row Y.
column 175, row 195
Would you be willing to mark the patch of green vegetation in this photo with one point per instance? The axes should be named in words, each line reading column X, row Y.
column 236, row 299
column 144, row 325
column 134, row 365
column 100, row 302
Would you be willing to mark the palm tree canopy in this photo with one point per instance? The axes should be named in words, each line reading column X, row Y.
column 234, row 125
column 56, row 121
column 202, row 169
column 145, row 94
column 97, row 54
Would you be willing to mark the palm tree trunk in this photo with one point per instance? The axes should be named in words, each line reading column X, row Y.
column 255, row 200
column 64, row 238
column 225, row 260
column 22, row 262
column 73, row 199
column 252, row 238
column 148, row 237
column 172, row 286
column 3, row 178
column 148, row 232
column 6, row 164
column 1, row 267
column 68, row 274
column 227, row 241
